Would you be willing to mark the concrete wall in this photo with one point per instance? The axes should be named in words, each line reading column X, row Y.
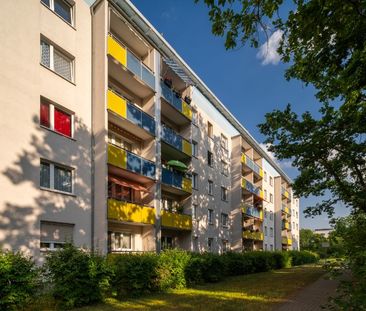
column 22, row 83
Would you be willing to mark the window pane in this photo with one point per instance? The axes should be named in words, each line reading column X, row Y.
column 126, row 241
column 63, row 9
column 45, row 175
column 45, row 115
column 62, row 65
column 63, row 179
column 45, row 54
column 46, row 2
column 62, row 122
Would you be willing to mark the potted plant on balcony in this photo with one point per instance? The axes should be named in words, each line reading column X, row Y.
column 168, row 82
column 187, row 99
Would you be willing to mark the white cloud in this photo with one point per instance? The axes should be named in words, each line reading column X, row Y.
column 284, row 164
column 268, row 51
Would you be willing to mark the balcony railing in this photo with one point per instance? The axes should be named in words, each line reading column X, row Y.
column 177, row 180
column 129, row 161
column 251, row 188
column 252, row 211
column 177, row 102
column 286, row 225
column 249, row 235
column 175, row 220
column 286, row 240
column 130, row 61
column 285, row 209
column 131, row 112
column 252, row 165
column 130, row 212
column 175, row 140
column 285, row 193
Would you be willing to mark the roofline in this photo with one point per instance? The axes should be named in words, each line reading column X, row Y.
column 135, row 17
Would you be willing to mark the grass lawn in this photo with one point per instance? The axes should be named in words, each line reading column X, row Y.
column 261, row 291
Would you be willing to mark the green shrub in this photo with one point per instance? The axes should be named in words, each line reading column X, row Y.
column 134, row 274
column 282, row 260
column 303, row 257
column 78, row 278
column 194, row 272
column 19, row 280
column 171, row 269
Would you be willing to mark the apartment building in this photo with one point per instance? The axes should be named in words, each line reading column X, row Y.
column 121, row 146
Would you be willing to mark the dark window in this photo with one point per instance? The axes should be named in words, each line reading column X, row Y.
column 63, row 9
column 45, row 115
column 45, row 175
column 210, row 158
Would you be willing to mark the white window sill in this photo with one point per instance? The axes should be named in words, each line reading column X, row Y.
column 58, row 133
column 58, row 191
column 56, row 73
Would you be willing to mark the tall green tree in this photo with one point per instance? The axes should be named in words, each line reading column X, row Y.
column 324, row 44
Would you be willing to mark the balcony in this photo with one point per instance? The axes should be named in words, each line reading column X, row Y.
column 286, row 241
column 130, row 212
column 285, row 194
column 286, row 225
column 248, row 186
column 140, row 120
column 248, row 235
column 252, row 211
column 176, row 180
column 176, row 221
column 174, row 107
column 252, row 165
column 285, row 209
column 178, row 147
column 138, row 78
column 129, row 161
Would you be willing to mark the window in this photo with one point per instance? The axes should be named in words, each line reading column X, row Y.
column 265, row 231
column 271, row 247
column 297, row 214
column 271, row 215
column 271, row 197
column 62, row 8
column 56, row 119
column 210, row 158
column 265, row 195
column 194, row 117
column 265, row 247
column 210, row 216
column 125, row 193
column 54, row 235
column 209, row 130
column 167, row 242
column 194, row 211
column 57, row 61
column 194, row 149
column 210, row 187
column 118, row 140
column 210, row 244
column 224, row 168
column 265, row 213
column 271, row 180
column 224, row 220
column 194, row 181
column 297, row 226
column 271, row 232
column 56, row 177
column 224, row 142
column 224, row 194
column 225, row 246
column 293, row 225
column 265, row 176
column 120, row 241
column 195, row 244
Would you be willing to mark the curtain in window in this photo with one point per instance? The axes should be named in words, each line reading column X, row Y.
column 62, row 122
column 56, row 232
column 62, row 65
column 63, row 9
column 45, row 115
column 45, row 175
column 63, row 179
column 45, row 54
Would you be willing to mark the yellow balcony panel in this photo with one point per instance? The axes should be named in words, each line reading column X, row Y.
column 258, row 236
column 117, row 104
column 243, row 158
column 117, row 156
column 261, row 174
column 187, row 147
column 130, row 212
column 187, row 184
column 187, row 110
column 286, row 240
column 117, row 51
column 174, row 220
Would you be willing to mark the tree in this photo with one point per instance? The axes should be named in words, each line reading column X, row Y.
column 324, row 44
column 311, row 241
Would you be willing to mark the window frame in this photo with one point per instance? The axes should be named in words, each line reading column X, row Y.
column 224, row 168
column 70, row 4
column 224, row 194
column 210, row 159
column 51, row 187
column 52, row 243
column 195, row 181
column 224, row 142
column 210, row 216
column 113, row 241
column 194, row 211
column 210, row 187
column 271, row 197
column 194, row 149
column 271, row 181
column 225, row 217
column 52, row 107
column 63, row 53
column 210, row 130
column 210, row 244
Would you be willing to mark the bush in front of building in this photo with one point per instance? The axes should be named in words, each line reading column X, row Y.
column 19, row 280
column 77, row 277
column 303, row 257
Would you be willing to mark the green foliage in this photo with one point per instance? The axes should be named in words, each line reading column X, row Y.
column 19, row 280
column 303, row 257
column 78, row 278
column 171, row 269
column 134, row 274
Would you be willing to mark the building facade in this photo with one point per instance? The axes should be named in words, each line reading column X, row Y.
column 120, row 146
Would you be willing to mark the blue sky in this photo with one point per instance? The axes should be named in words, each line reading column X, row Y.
column 239, row 78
